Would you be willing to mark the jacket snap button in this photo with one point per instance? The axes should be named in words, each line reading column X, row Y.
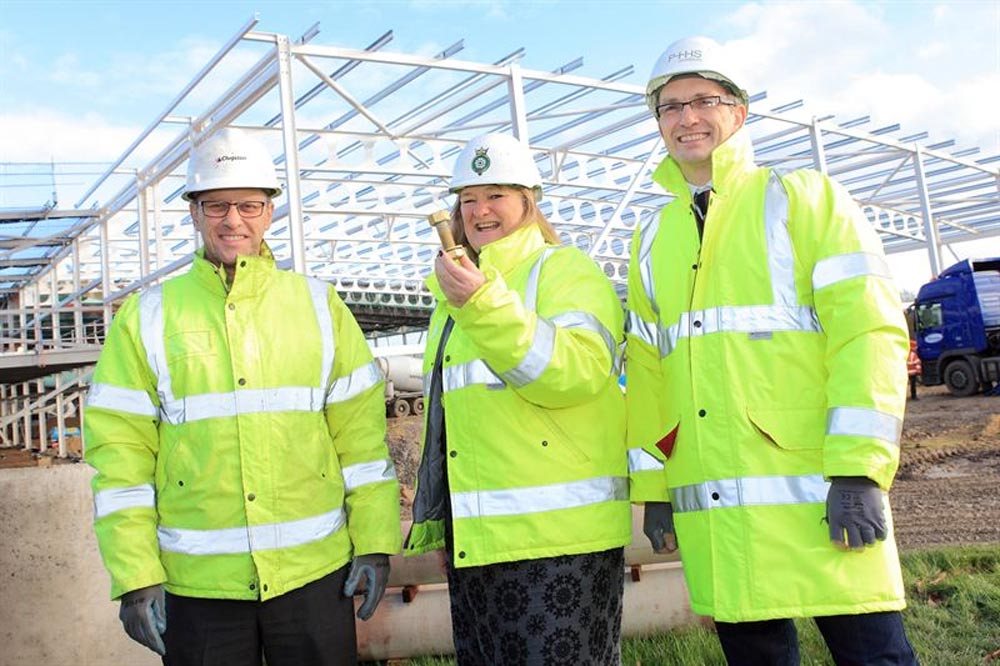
column 545, row 442
column 697, row 324
column 265, row 587
column 447, row 357
column 242, row 381
column 251, row 497
column 242, row 264
column 252, row 586
column 232, row 306
column 461, row 554
column 701, row 412
column 453, row 454
column 715, row 496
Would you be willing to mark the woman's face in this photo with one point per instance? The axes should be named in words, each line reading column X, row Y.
column 490, row 212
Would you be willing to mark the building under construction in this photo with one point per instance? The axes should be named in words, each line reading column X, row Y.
column 364, row 140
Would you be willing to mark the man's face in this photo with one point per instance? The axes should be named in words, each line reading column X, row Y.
column 233, row 233
column 691, row 134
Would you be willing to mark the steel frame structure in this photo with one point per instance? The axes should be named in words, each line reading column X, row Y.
column 364, row 141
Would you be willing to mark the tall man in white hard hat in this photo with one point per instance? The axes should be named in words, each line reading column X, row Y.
column 236, row 420
column 766, row 384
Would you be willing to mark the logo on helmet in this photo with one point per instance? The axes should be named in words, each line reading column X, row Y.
column 481, row 162
column 229, row 158
column 682, row 56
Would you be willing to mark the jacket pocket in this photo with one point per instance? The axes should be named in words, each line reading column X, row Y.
column 189, row 343
column 563, row 438
column 790, row 429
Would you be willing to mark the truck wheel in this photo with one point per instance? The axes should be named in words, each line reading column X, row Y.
column 400, row 407
column 418, row 405
column 960, row 377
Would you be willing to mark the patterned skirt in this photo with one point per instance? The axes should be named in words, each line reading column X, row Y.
column 550, row 611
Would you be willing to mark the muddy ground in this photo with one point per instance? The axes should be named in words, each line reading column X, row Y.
column 947, row 490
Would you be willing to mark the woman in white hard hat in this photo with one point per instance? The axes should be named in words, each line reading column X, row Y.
column 523, row 474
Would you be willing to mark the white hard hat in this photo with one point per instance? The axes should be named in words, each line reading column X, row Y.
column 691, row 55
column 230, row 159
column 496, row 159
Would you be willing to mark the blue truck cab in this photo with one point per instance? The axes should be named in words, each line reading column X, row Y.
column 957, row 318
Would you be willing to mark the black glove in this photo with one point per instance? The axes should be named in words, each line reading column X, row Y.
column 658, row 526
column 144, row 617
column 854, row 506
column 374, row 568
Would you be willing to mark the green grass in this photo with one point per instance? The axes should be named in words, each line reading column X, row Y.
column 953, row 618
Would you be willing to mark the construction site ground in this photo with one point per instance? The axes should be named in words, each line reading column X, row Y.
column 945, row 492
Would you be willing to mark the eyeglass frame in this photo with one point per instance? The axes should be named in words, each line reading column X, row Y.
column 229, row 206
column 719, row 101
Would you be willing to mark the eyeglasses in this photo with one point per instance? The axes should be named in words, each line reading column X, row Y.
column 246, row 209
column 674, row 109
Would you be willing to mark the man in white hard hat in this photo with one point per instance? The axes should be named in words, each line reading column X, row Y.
column 766, row 388
column 236, row 419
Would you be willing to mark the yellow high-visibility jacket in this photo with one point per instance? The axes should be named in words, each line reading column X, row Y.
column 530, row 455
column 238, row 436
column 760, row 363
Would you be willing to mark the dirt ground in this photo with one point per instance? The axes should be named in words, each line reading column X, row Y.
column 947, row 489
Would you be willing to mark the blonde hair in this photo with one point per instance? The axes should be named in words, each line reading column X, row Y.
column 532, row 215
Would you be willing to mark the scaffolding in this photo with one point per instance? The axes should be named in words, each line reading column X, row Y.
column 364, row 141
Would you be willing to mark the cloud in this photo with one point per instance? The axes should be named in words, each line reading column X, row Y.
column 913, row 65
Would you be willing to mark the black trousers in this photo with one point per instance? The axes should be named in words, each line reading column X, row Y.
column 310, row 626
column 871, row 639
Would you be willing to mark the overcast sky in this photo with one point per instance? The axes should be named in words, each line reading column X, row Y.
column 80, row 80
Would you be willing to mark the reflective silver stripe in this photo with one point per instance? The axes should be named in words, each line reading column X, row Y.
column 131, row 401
column 362, row 474
column 531, row 288
column 112, row 500
column 750, row 491
column 538, row 356
column 245, row 401
column 646, row 331
column 151, row 334
column 318, row 291
column 780, row 257
column 222, row 405
column 739, row 319
column 233, row 540
column 647, row 234
column 640, row 460
column 784, row 314
column 588, row 322
column 362, row 379
column 864, row 422
column 467, row 374
column 846, row 266
column 520, row 501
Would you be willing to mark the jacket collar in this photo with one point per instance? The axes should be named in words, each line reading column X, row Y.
column 507, row 253
column 731, row 162
column 248, row 279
